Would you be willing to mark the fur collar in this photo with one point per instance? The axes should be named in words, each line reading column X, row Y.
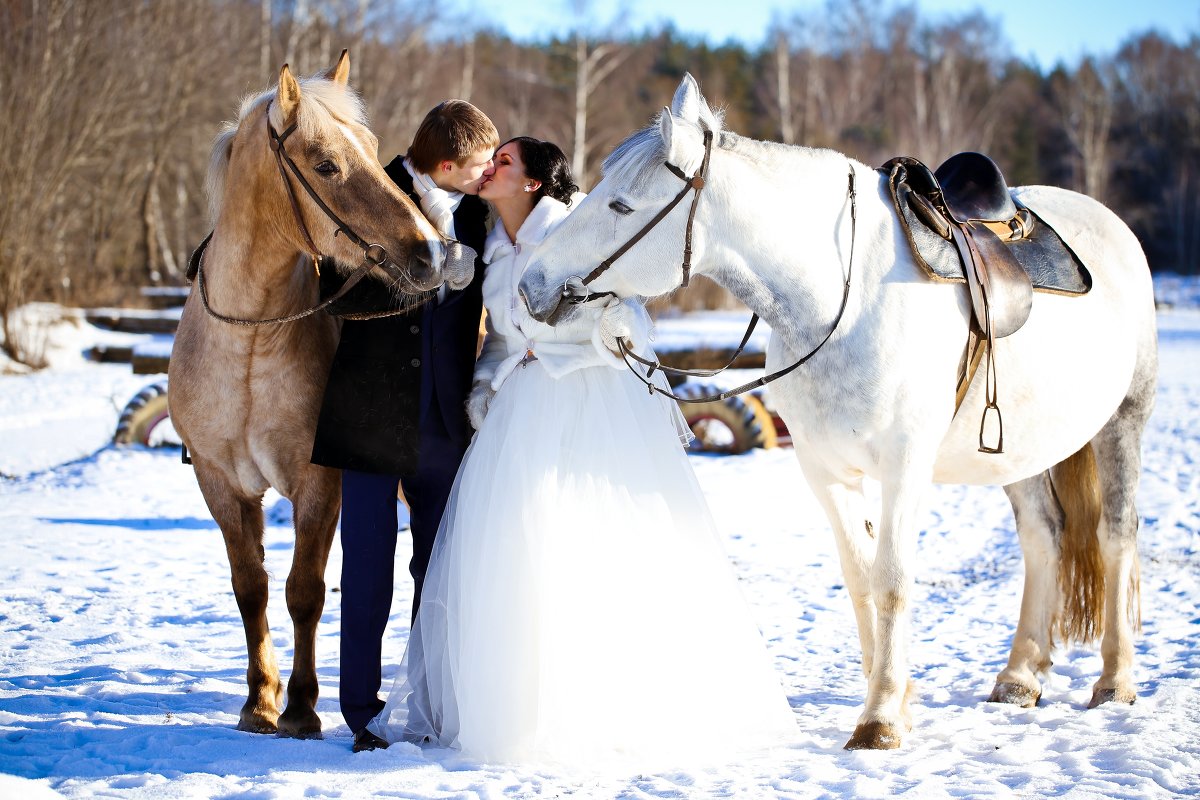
column 545, row 217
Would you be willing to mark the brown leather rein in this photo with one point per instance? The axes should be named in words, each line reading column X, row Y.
column 575, row 290
column 374, row 255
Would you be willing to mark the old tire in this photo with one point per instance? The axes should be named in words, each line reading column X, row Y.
column 728, row 426
column 770, row 436
column 142, row 415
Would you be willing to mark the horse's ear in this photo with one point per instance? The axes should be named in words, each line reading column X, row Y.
column 340, row 72
column 687, row 101
column 289, row 94
column 666, row 127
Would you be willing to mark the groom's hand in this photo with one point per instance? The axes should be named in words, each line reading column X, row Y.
column 478, row 402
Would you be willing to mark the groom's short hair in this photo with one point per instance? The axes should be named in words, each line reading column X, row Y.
column 453, row 130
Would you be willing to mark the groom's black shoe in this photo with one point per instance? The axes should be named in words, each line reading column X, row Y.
column 365, row 740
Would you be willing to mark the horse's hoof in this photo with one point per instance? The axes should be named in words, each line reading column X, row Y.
column 1102, row 696
column 307, row 734
column 1014, row 694
column 874, row 736
column 258, row 717
column 300, row 725
column 257, row 725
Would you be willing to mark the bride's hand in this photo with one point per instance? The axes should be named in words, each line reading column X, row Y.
column 478, row 402
column 616, row 322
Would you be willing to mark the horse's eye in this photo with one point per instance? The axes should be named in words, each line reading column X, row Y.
column 620, row 208
column 326, row 168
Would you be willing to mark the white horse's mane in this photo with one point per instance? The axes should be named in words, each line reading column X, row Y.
column 323, row 104
column 634, row 161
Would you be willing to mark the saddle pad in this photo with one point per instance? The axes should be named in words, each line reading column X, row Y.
column 1050, row 262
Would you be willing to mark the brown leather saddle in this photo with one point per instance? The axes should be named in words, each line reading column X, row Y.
column 964, row 225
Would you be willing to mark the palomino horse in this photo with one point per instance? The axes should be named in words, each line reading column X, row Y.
column 776, row 225
column 244, row 397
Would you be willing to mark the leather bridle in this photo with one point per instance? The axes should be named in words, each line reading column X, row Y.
column 571, row 291
column 374, row 255
column 575, row 290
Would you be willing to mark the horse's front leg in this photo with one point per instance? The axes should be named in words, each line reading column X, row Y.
column 241, row 522
column 315, row 511
column 886, row 714
column 845, row 506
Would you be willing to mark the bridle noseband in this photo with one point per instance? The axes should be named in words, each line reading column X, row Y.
column 575, row 290
column 374, row 255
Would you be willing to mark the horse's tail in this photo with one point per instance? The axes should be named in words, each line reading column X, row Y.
column 1076, row 486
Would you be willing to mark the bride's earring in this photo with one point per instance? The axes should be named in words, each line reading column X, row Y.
column 529, row 188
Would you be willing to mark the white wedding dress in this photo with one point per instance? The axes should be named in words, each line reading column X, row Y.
column 579, row 609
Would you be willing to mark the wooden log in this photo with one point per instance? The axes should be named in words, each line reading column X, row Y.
column 151, row 358
column 165, row 296
column 134, row 320
column 111, row 353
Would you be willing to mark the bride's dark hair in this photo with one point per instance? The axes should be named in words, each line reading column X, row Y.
column 545, row 163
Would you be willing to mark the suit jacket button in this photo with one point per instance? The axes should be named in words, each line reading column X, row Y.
column 415, row 329
column 416, row 362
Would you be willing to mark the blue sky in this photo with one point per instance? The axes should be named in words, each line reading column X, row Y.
column 1066, row 30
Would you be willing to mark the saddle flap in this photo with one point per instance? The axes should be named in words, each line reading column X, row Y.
column 973, row 189
column 1007, row 289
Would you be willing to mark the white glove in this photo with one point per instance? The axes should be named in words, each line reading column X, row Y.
column 478, row 402
column 616, row 322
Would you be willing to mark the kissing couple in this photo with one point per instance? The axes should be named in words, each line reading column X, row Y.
column 572, row 605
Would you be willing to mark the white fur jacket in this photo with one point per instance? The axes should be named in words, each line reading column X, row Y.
column 512, row 332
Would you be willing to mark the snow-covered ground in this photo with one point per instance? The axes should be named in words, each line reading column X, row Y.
column 122, row 658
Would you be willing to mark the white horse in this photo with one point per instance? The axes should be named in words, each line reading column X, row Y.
column 774, row 224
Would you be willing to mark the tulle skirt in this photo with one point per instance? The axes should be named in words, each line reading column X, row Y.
column 579, row 609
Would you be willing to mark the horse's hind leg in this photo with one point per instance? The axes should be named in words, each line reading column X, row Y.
column 241, row 523
column 1039, row 527
column 316, row 504
column 1118, row 463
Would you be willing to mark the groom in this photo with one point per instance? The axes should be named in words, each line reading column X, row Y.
column 394, row 408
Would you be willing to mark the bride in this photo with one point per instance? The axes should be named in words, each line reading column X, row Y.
column 579, row 609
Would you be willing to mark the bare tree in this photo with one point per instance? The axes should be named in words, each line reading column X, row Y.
column 594, row 60
column 466, row 82
column 59, row 104
column 783, row 86
column 1087, row 102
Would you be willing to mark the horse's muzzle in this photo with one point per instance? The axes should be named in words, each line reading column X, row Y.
column 545, row 307
column 459, row 267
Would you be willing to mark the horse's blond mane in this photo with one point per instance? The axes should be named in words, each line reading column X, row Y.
column 323, row 104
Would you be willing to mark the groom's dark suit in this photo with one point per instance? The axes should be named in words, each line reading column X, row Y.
column 394, row 414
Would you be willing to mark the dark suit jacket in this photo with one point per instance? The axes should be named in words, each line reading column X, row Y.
column 391, row 375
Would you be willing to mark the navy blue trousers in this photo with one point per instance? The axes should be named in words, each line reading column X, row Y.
column 369, row 534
